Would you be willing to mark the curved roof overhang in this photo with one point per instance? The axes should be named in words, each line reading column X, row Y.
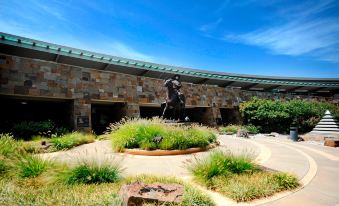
column 25, row 47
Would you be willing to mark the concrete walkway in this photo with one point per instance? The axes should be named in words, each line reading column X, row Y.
column 316, row 166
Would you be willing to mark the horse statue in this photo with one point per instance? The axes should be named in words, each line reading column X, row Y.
column 175, row 99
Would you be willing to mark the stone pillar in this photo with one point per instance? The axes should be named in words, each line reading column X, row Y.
column 133, row 110
column 82, row 115
column 211, row 115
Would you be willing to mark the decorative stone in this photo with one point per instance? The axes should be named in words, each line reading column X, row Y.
column 242, row 133
column 331, row 143
column 138, row 193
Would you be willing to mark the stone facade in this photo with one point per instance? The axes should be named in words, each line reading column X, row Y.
column 38, row 78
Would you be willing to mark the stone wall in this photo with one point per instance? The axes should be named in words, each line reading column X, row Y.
column 32, row 77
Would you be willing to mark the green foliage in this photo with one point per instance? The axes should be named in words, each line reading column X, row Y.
column 31, row 166
column 87, row 173
column 143, row 133
column 285, row 181
column 27, row 129
column 71, row 140
column 238, row 177
column 279, row 115
column 3, row 166
column 252, row 129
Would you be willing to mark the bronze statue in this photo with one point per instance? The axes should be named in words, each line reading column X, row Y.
column 175, row 99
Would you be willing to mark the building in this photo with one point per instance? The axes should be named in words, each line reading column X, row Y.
column 87, row 90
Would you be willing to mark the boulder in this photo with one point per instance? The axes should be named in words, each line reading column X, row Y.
column 242, row 133
column 138, row 193
column 331, row 143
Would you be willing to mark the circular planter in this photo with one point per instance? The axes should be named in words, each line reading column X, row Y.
column 159, row 152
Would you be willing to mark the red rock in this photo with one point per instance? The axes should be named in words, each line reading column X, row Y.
column 138, row 193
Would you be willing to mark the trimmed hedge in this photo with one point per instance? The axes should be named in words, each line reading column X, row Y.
column 278, row 115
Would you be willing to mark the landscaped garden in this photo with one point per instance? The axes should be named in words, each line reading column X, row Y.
column 28, row 178
column 151, row 134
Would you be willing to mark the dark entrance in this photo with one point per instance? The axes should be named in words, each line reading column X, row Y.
column 199, row 114
column 16, row 109
column 105, row 113
column 230, row 115
column 149, row 112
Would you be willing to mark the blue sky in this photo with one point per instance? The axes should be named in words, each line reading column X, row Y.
column 277, row 37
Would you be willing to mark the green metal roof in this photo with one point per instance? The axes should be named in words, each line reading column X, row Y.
column 108, row 59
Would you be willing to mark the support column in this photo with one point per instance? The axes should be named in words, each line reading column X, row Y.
column 214, row 115
column 133, row 110
column 82, row 115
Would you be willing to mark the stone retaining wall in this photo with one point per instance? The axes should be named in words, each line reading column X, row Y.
column 32, row 77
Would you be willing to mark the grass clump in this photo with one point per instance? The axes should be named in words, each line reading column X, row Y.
column 233, row 129
column 71, row 140
column 229, row 129
column 9, row 147
column 31, row 166
column 150, row 134
column 238, row 177
column 221, row 164
column 90, row 173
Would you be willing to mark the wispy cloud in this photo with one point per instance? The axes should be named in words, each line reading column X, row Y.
column 210, row 26
column 121, row 49
column 305, row 33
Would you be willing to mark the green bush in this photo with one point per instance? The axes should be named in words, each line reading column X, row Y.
column 71, row 140
column 152, row 134
column 90, row 173
column 252, row 129
column 31, row 166
column 27, row 129
column 279, row 115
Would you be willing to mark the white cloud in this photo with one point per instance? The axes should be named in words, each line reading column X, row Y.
column 308, row 34
column 121, row 49
column 210, row 26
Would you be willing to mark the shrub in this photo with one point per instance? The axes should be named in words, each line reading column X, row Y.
column 31, row 166
column 27, row 129
column 87, row 173
column 252, row 129
column 152, row 134
column 279, row 115
column 71, row 140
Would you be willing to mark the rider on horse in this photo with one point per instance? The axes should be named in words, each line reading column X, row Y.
column 176, row 86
